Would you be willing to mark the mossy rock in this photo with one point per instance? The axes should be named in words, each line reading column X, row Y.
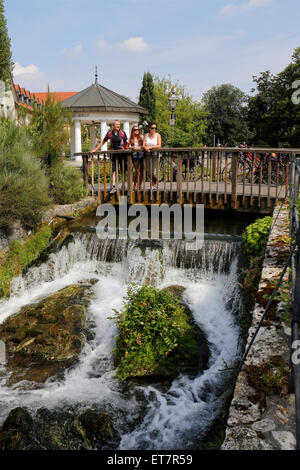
column 203, row 352
column 43, row 338
column 58, row 430
column 157, row 336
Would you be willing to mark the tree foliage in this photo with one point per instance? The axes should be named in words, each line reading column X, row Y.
column 147, row 98
column 6, row 64
column 273, row 117
column 190, row 124
column 227, row 119
column 50, row 128
column 66, row 184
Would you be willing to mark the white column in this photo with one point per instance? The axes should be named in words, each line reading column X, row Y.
column 72, row 141
column 126, row 129
column 103, row 128
column 93, row 137
column 78, row 140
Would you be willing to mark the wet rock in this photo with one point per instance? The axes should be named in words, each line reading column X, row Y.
column 203, row 348
column 96, row 428
column 16, row 432
column 145, row 243
column 42, row 339
column 58, row 430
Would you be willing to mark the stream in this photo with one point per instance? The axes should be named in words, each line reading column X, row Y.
column 174, row 414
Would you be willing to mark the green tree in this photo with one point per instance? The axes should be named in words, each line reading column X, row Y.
column 50, row 128
column 6, row 64
column 147, row 98
column 259, row 107
column 24, row 186
column 227, row 120
column 190, row 124
column 273, row 117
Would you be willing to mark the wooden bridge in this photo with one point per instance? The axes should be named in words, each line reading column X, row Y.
column 251, row 179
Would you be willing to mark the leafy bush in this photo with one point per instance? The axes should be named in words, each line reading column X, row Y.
column 24, row 187
column 66, row 184
column 255, row 236
column 155, row 337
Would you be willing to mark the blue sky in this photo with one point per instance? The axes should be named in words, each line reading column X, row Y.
column 200, row 43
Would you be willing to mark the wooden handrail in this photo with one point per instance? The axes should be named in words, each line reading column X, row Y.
column 202, row 149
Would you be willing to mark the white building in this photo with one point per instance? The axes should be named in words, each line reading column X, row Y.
column 8, row 102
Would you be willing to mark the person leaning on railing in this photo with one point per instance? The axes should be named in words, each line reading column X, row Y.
column 138, row 155
column 118, row 141
column 152, row 140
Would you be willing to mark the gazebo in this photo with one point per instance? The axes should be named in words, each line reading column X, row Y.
column 97, row 105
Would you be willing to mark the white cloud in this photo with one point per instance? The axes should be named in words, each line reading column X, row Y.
column 30, row 72
column 230, row 9
column 73, row 52
column 136, row 44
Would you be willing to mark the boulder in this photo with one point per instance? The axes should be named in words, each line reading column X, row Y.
column 42, row 339
column 58, row 430
column 158, row 336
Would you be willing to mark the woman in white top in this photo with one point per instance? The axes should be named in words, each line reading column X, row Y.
column 138, row 157
column 152, row 140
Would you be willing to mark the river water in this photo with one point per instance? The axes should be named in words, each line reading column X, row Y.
column 175, row 415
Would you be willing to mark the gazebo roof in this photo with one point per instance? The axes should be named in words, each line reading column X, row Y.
column 98, row 98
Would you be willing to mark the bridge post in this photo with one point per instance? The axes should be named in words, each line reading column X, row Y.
column 85, row 169
column 179, row 178
column 234, row 168
column 130, row 177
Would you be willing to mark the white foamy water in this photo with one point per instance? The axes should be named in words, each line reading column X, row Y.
column 176, row 418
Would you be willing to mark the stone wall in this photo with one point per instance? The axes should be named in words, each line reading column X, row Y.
column 269, row 426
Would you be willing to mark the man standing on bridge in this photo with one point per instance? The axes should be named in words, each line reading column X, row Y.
column 118, row 141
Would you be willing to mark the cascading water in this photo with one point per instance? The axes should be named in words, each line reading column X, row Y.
column 156, row 416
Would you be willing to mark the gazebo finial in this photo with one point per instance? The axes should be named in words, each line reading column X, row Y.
column 96, row 75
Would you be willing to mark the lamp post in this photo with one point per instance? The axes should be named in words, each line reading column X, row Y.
column 173, row 100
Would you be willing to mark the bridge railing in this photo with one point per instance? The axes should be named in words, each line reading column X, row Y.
column 191, row 175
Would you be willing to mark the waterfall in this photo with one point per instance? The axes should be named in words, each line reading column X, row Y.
column 173, row 418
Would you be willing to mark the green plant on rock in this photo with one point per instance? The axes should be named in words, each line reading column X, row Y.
column 269, row 378
column 255, row 236
column 155, row 337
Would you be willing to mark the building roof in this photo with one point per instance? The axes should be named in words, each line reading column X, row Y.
column 98, row 98
column 58, row 95
column 27, row 97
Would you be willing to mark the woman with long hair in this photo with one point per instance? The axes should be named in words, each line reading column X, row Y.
column 138, row 157
column 152, row 140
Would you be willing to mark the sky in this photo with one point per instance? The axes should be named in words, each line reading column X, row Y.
column 199, row 43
